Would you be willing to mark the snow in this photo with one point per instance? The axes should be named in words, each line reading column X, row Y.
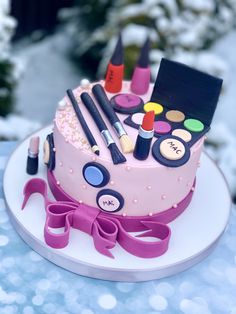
column 48, row 74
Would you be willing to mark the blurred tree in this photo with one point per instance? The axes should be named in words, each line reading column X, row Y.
column 180, row 29
column 7, row 64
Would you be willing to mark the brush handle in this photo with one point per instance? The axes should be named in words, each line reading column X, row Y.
column 81, row 119
column 90, row 105
column 104, row 103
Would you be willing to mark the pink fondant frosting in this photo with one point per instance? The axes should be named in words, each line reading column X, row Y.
column 130, row 179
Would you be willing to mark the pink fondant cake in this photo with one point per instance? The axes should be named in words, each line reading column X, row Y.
column 120, row 162
column 147, row 187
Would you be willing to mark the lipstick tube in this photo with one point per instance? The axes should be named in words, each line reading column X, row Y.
column 32, row 159
column 144, row 138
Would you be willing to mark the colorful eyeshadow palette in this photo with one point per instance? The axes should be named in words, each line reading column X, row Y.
column 174, row 125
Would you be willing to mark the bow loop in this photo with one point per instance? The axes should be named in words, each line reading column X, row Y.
column 105, row 230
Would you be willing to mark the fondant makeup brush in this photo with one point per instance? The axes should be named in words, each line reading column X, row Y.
column 89, row 135
column 116, row 155
column 115, row 69
column 142, row 73
column 145, row 135
column 103, row 101
column 32, row 159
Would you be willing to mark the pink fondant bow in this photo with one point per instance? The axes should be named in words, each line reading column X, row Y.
column 105, row 230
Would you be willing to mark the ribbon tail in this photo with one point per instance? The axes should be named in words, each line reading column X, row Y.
column 146, row 249
column 102, row 244
column 35, row 185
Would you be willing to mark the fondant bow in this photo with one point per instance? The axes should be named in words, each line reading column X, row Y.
column 105, row 230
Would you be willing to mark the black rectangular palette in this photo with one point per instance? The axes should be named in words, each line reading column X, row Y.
column 184, row 100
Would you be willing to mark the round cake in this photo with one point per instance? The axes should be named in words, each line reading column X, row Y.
column 143, row 187
column 123, row 155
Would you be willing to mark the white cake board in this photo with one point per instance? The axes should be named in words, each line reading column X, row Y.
column 194, row 233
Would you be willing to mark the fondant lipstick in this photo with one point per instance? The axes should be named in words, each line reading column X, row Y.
column 115, row 69
column 142, row 73
column 145, row 135
column 33, row 152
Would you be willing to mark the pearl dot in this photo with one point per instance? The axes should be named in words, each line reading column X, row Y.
column 175, row 205
column 85, row 83
column 107, row 301
column 66, row 140
column 71, row 171
column 150, row 214
column 84, row 187
column 54, row 149
column 80, row 201
column 124, row 214
column 112, row 182
column 94, row 158
column 163, row 197
column 58, row 182
column 189, row 183
column 149, row 187
column 128, row 168
column 135, row 201
column 180, row 179
column 60, row 164
column 193, row 188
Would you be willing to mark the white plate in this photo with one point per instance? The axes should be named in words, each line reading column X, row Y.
column 194, row 233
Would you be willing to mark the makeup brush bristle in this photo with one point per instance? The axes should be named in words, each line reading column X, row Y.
column 116, row 155
column 126, row 144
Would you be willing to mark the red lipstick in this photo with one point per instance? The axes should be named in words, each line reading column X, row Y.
column 115, row 69
column 145, row 135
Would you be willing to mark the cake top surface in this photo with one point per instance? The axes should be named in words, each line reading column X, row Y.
column 68, row 125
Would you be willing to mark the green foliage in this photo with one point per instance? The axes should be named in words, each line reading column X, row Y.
column 6, row 87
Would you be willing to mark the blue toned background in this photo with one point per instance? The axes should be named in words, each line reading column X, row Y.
column 30, row 284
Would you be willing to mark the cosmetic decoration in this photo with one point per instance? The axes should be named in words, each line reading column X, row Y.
column 87, row 132
column 32, row 159
column 116, row 155
column 127, row 103
column 103, row 101
column 145, row 135
column 115, row 69
column 142, row 73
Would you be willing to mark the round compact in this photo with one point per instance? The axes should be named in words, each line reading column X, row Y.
column 137, row 118
column 96, row 174
column 110, row 200
column 127, row 103
column 171, row 151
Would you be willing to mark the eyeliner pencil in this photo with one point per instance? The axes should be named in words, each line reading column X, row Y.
column 83, row 123
column 116, row 155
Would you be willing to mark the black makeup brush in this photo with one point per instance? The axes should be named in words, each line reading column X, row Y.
column 103, row 101
column 83, row 123
column 116, row 155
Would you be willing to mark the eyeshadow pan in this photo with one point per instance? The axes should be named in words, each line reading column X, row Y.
column 149, row 106
column 193, row 125
column 127, row 100
column 185, row 135
column 137, row 118
column 175, row 116
column 162, row 127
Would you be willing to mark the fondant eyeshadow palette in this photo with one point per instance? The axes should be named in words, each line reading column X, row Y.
column 176, row 131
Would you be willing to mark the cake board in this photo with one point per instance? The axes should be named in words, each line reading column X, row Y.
column 195, row 233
